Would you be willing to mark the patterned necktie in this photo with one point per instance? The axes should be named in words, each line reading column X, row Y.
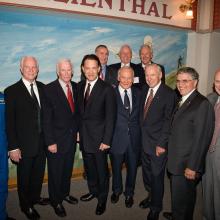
column 148, row 102
column 70, row 98
column 126, row 101
column 87, row 94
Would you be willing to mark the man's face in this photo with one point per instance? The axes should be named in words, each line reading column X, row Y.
column 102, row 53
column 125, row 78
column 146, row 55
column 152, row 75
column 65, row 71
column 185, row 83
column 217, row 82
column 29, row 69
column 125, row 55
column 91, row 69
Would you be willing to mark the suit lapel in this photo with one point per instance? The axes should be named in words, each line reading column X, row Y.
column 185, row 105
column 95, row 92
column 62, row 96
column 26, row 92
column 134, row 99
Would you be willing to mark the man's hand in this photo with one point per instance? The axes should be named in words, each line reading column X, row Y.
column 15, row 155
column 190, row 174
column 159, row 151
column 52, row 148
column 103, row 147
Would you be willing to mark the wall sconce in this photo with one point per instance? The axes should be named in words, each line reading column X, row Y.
column 187, row 9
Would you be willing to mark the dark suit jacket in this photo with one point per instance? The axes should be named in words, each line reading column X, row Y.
column 156, row 126
column 191, row 134
column 22, row 119
column 127, row 128
column 60, row 125
column 141, row 72
column 97, row 119
column 112, row 76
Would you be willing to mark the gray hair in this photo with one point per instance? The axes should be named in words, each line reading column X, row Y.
column 123, row 46
column 189, row 70
column 63, row 60
column 126, row 68
column 145, row 46
column 156, row 66
column 27, row 57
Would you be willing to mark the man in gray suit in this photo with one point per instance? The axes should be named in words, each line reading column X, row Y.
column 211, row 179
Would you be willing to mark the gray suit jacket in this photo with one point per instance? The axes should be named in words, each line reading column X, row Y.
column 213, row 97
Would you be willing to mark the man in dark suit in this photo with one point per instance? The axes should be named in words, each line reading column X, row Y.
column 190, row 136
column 146, row 56
column 127, row 130
column 60, row 129
column 125, row 55
column 97, row 106
column 158, row 102
column 24, row 133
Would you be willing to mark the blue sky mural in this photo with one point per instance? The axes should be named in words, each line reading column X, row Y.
column 50, row 36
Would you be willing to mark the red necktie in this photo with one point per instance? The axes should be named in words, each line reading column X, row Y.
column 148, row 102
column 70, row 98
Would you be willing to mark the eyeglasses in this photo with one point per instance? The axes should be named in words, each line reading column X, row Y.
column 185, row 81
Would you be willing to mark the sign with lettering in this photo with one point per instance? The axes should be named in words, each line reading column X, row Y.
column 160, row 11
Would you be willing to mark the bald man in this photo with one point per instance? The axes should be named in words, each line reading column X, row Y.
column 211, row 179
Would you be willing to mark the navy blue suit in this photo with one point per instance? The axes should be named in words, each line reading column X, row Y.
column 60, row 127
column 155, row 130
column 126, row 143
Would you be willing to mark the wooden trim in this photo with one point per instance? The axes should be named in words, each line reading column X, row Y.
column 92, row 14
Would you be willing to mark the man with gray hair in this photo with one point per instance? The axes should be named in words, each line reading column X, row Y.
column 211, row 178
column 190, row 136
column 23, row 101
column 125, row 55
column 60, row 125
column 146, row 56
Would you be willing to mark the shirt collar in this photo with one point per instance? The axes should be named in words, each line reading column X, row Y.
column 27, row 83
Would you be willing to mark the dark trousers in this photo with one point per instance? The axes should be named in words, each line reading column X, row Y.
column 131, row 161
column 60, row 167
column 96, row 168
column 153, row 170
column 183, row 197
column 30, row 174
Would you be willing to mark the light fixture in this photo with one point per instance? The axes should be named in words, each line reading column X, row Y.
column 187, row 9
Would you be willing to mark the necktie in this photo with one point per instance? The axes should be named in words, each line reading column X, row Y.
column 180, row 103
column 101, row 76
column 70, row 98
column 87, row 94
column 34, row 97
column 126, row 101
column 148, row 102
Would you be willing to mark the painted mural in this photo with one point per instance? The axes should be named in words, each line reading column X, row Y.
column 50, row 36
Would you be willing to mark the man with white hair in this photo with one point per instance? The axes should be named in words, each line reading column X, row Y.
column 125, row 55
column 23, row 101
column 146, row 56
column 60, row 130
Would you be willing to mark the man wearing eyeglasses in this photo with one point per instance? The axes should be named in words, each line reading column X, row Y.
column 190, row 136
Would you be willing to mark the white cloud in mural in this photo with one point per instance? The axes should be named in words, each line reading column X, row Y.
column 102, row 30
column 45, row 43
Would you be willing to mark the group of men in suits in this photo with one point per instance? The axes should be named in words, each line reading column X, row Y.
column 105, row 107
